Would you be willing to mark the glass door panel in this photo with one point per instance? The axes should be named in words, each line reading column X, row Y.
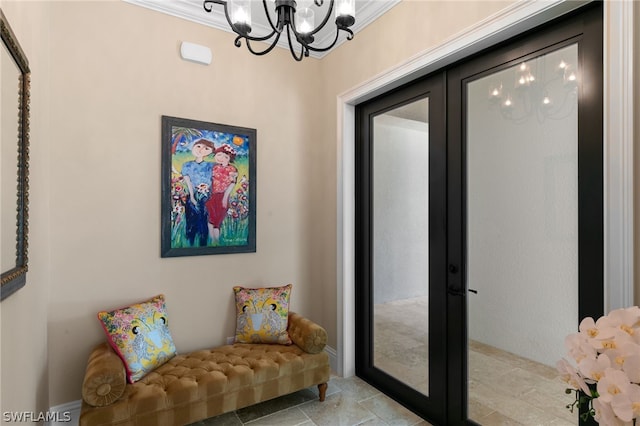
column 522, row 237
column 400, row 243
column 400, row 271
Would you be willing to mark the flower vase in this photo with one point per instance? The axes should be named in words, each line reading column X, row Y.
column 585, row 419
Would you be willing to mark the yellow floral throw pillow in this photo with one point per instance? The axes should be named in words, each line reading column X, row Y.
column 140, row 336
column 262, row 314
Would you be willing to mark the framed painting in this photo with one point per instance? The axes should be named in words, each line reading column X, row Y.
column 208, row 188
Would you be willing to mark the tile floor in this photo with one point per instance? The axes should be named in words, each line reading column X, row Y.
column 349, row 401
column 504, row 389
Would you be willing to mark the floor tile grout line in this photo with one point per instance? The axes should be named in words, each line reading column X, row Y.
column 309, row 402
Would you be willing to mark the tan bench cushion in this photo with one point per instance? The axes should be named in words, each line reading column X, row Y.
column 206, row 383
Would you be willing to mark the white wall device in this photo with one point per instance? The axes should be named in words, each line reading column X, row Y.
column 195, row 53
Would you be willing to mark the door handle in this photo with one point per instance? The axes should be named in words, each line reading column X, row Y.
column 457, row 292
column 453, row 269
column 453, row 288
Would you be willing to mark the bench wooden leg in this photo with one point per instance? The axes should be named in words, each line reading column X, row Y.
column 322, row 389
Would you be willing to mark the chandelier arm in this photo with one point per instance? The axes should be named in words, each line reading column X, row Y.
column 567, row 93
column 517, row 120
column 567, row 114
column 303, row 52
column 266, row 12
column 261, row 38
column 333, row 43
column 316, row 29
column 553, row 115
column 325, row 20
column 208, row 6
column 267, row 50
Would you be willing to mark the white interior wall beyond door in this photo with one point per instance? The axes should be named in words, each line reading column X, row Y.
column 522, row 208
column 400, row 214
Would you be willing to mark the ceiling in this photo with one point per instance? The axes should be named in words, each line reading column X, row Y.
column 367, row 11
column 416, row 111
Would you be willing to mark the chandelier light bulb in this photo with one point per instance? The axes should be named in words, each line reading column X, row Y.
column 495, row 94
column 570, row 77
column 305, row 20
column 345, row 13
column 240, row 14
column 523, row 66
column 562, row 67
column 345, row 8
column 507, row 106
column 241, row 17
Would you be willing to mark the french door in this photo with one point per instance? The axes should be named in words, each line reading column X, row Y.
column 401, row 249
column 479, row 226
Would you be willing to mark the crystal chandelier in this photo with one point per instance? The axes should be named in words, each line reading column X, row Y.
column 298, row 23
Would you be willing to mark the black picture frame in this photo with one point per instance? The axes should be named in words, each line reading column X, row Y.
column 208, row 203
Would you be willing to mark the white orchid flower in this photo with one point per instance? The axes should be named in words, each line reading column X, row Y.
column 611, row 338
column 571, row 377
column 626, row 405
column 627, row 358
column 593, row 368
column 605, row 416
column 579, row 347
column 597, row 332
column 613, row 382
column 626, row 319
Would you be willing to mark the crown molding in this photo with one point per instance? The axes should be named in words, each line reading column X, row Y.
column 192, row 10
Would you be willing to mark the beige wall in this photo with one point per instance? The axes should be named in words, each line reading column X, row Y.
column 636, row 147
column 115, row 69
column 24, row 315
column 104, row 73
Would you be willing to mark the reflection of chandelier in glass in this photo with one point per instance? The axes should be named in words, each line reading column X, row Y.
column 553, row 98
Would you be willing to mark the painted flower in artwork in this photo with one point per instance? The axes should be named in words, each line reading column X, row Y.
column 605, row 375
column 239, row 202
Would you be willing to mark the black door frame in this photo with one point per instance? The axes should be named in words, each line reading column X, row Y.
column 433, row 88
column 583, row 25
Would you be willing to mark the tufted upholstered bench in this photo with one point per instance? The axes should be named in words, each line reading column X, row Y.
column 204, row 383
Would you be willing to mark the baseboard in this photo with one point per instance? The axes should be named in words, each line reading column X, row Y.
column 67, row 414
column 333, row 358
